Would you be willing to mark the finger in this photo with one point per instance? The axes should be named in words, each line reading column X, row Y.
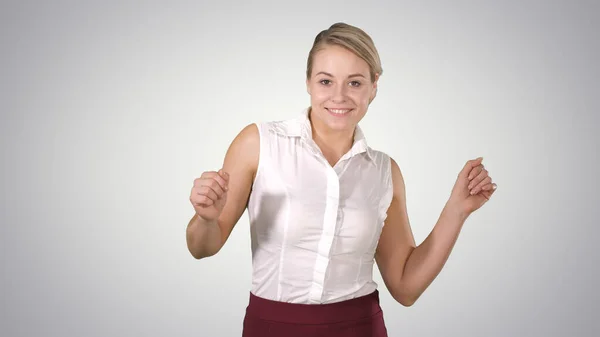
column 490, row 187
column 225, row 176
column 201, row 200
column 209, row 192
column 487, row 195
column 212, row 182
column 488, row 190
column 208, row 174
column 217, row 185
column 213, row 185
column 469, row 166
column 478, row 179
column 478, row 187
column 218, row 177
column 475, row 171
column 201, row 194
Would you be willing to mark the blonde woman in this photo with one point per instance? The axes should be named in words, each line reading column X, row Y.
column 324, row 206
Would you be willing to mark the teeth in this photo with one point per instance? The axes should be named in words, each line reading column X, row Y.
column 339, row 111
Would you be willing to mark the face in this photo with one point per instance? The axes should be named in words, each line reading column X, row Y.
column 340, row 88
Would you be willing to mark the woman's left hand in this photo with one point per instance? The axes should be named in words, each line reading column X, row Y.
column 473, row 187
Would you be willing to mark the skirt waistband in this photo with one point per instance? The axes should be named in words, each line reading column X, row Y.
column 352, row 309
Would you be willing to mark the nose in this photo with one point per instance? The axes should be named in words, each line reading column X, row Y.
column 339, row 94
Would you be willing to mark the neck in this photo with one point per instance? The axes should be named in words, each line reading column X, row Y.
column 333, row 143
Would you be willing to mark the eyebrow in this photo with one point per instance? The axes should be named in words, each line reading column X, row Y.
column 353, row 75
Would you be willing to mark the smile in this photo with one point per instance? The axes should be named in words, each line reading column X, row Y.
column 338, row 111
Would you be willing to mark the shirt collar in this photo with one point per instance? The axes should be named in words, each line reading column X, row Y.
column 300, row 127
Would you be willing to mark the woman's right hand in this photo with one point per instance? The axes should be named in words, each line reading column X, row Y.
column 209, row 194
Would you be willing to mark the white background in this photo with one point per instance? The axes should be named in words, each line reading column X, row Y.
column 109, row 110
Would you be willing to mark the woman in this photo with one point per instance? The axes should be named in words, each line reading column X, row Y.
column 324, row 206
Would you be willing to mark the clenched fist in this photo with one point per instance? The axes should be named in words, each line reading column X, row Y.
column 209, row 194
column 473, row 187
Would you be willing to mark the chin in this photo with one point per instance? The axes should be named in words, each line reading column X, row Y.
column 337, row 120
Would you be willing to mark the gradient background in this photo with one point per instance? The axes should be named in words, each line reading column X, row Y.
column 111, row 109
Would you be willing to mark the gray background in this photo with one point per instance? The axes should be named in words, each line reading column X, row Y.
column 111, row 109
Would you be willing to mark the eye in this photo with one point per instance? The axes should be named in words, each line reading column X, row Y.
column 325, row 82
column 355, row 84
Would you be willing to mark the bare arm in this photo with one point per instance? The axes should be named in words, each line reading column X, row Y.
column 407, row 269
column 206, row 238
column 427, row 260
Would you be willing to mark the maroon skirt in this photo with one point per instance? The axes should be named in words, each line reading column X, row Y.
column 357, row 317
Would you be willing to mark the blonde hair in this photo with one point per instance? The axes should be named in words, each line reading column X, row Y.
column 352, row 38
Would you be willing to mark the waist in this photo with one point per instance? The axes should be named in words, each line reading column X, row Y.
column 352, row 309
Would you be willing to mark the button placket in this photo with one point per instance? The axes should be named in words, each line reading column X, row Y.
column 330, row 220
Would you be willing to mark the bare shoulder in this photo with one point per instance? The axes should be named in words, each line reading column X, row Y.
column 248, row 137
column 244, row 149
column 240, row 163
column 397, row 179
column 395, row 171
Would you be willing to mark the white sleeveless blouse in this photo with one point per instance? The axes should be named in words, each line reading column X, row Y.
column 314, row 228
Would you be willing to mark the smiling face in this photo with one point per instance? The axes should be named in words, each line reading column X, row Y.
column 340, row 88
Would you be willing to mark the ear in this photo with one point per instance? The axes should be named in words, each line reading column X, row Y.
column 374, row 94
column 375, row 81
column 308, row 86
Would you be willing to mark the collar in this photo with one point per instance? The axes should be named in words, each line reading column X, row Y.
column 300, row 127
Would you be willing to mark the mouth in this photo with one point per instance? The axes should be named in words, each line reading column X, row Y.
column 338, row 112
